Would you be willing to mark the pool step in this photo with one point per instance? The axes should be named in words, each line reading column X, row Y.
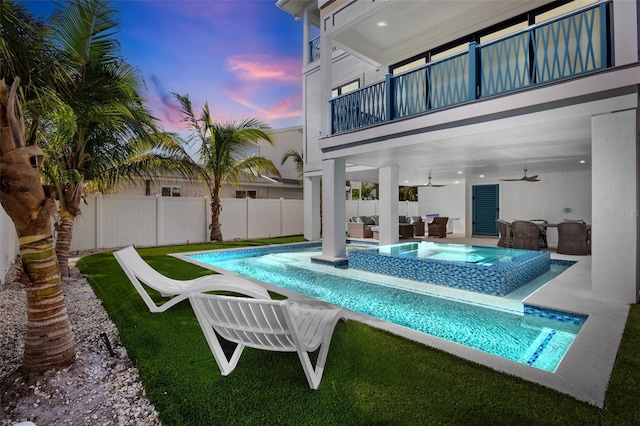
column 531, row 355
column 279, row 259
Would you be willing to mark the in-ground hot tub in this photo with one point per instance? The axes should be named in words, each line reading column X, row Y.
column 490, row 270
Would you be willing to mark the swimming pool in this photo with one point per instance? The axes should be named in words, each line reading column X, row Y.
column 535, row 337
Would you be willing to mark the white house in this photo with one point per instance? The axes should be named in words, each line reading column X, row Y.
column 264, row 187
column 469, row 93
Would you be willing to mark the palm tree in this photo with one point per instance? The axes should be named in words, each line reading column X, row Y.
column 24, row 48
column 103, row 134
column 296, row 157
column 408, row 193
column 224, row 151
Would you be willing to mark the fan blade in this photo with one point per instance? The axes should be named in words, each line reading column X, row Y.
column 511, row 180
column 438, row 186
column 533, row 178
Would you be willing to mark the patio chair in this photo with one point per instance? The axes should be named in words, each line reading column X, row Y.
column 438, row 227
column 139, row 272
column 418, row 226
column 542, row 224
column 526, row 235
column 272, row 325
column 504, row 229
column 573, row 238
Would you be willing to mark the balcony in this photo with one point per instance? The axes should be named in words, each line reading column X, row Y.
column 559, row 49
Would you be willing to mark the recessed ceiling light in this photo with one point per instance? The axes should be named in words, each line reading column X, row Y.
column 582, row 161
column 481, row 175
column 406, row 181
column 459, row 172
column 455, row 181
column 382, row 24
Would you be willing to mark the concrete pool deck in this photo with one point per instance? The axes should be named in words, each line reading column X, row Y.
column 585, row 369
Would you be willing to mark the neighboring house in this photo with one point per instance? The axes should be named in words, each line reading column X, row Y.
column 470, row 93
column 288, row 186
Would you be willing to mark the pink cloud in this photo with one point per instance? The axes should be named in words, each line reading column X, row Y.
column 290, row 107
column 265, row 67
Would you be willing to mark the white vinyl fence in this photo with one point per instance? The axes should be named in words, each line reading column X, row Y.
column 111, row 221
column 8, row 243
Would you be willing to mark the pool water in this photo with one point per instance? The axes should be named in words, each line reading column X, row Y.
column 451, row 252
column 535, row 341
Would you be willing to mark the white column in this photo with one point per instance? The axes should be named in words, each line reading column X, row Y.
column 311, row 188
column 615, row 219
column 388, row 202
column 326, row 83
column 334, row 209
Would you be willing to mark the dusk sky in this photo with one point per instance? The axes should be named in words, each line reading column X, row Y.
column 242, row 56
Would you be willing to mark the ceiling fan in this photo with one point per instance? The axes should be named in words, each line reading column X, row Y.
column 525, row 178
column 430, row 185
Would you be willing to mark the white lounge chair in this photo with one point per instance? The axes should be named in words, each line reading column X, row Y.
column 138, row 271
column 273, row 325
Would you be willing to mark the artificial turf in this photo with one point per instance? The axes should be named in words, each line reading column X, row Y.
column 372, row 377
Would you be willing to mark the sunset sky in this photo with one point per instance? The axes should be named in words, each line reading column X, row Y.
column 242, row 56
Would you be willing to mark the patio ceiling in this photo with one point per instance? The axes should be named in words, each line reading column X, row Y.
column 543, row 142
column 395, row 30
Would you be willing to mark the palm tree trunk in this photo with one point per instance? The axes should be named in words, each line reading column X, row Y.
column 216, row 229
column 49, row 341
column 64, row 229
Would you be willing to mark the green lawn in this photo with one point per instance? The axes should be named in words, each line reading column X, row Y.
column 371, row 376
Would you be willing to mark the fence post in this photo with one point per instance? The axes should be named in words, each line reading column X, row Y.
column 158, row 220
column 99, row 222
column 246, row 227
column 206, row 218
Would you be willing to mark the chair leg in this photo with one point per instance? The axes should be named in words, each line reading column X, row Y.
column 225, row 365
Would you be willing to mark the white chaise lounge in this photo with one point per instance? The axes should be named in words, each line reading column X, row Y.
column 139, row 272
column 273, row 325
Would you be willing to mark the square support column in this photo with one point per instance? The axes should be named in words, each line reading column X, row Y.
column 388, row 202
column 615, row 218
column 334, row 222
column 311, row 188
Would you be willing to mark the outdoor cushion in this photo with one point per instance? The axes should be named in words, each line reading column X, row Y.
column 368, row 220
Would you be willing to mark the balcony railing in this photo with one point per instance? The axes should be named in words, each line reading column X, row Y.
column 568, row 46
column 314, row 49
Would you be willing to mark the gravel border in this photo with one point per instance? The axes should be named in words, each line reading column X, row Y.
column 97, row 388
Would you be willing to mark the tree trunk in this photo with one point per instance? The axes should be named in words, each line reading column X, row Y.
column 64, row 229
column 216, row 230
column 72, row 195
column 49, row 340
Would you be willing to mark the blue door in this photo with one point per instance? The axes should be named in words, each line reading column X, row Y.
column 485, row 210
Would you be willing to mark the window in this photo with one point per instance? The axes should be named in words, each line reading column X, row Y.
column 171, row 191
column 345, row 88
column 246, row 194
column 409, row 66
column 560, row 10
column 450, row 51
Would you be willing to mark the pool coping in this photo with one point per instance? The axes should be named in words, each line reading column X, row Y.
column 586, row 368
